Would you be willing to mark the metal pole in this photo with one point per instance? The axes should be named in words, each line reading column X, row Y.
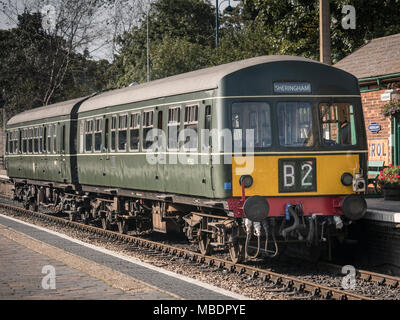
column 216, row 25
column 148, row 47
column 324, row 32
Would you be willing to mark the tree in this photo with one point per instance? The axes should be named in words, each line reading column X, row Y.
column 186, row 26
column 294, row 24
column 33, row 64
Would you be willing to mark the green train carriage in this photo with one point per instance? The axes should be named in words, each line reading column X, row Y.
column 301, row 160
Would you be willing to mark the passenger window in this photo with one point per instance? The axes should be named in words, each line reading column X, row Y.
column 89, row 135
column 50, row 135
column 7, row 141
column 97, row 134
column 40, row 139
column 174, row 121
column 134, row 131
column 190, row 128
column 44, row 139
column 11, row 143
column 30, row 139
column 113, row 132
column 122, row 132
column 36, row 140
column 24, row 141
column 207, row 120
column 147, row 130
column 106, row 134
column 63, row 138
column 55, row 139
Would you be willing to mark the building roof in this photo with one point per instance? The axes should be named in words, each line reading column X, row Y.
column 381, row 56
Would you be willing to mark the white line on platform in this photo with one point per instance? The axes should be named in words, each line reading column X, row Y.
column 135, row 261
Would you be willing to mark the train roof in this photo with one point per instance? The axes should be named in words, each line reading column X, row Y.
column 52, row 110
column 199, row 80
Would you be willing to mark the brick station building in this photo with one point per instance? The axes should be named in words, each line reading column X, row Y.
column 377, row 67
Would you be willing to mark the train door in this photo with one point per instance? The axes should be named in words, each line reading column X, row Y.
column 61, row 149
column 161, row 149
column 106, row 148
column 207, row 145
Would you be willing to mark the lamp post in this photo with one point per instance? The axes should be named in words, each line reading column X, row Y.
column 229, row 9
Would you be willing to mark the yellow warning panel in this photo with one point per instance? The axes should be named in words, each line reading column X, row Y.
column 291, row 175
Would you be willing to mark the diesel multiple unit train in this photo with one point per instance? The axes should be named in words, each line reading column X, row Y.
column 270, row 150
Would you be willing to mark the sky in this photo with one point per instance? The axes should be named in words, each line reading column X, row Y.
column 105, row 52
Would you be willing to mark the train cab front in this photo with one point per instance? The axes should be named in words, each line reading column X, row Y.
column 298, row 167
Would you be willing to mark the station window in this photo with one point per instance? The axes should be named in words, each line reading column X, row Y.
column 174, row 120
column 147, row 129
column 134, row 128
column 97, row 134
column 122, row 132
column 89, row 135
column 190, row 127
column 113, row 132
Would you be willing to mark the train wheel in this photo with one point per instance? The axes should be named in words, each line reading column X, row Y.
column 236, row 251
column 204, row 244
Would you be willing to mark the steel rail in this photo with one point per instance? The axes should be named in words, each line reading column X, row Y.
column 289, row 282
column 383, row 279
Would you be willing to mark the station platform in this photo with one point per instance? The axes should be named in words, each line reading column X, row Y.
column 29, row 254
column 379, row 209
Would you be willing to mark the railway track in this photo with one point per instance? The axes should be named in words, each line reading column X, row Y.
column 285, row 282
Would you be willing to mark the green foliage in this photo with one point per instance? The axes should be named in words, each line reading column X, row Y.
column 32, row 61
column 391, row 109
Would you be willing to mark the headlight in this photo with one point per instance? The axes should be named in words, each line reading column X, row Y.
column 247, row 180
column 347, row 179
